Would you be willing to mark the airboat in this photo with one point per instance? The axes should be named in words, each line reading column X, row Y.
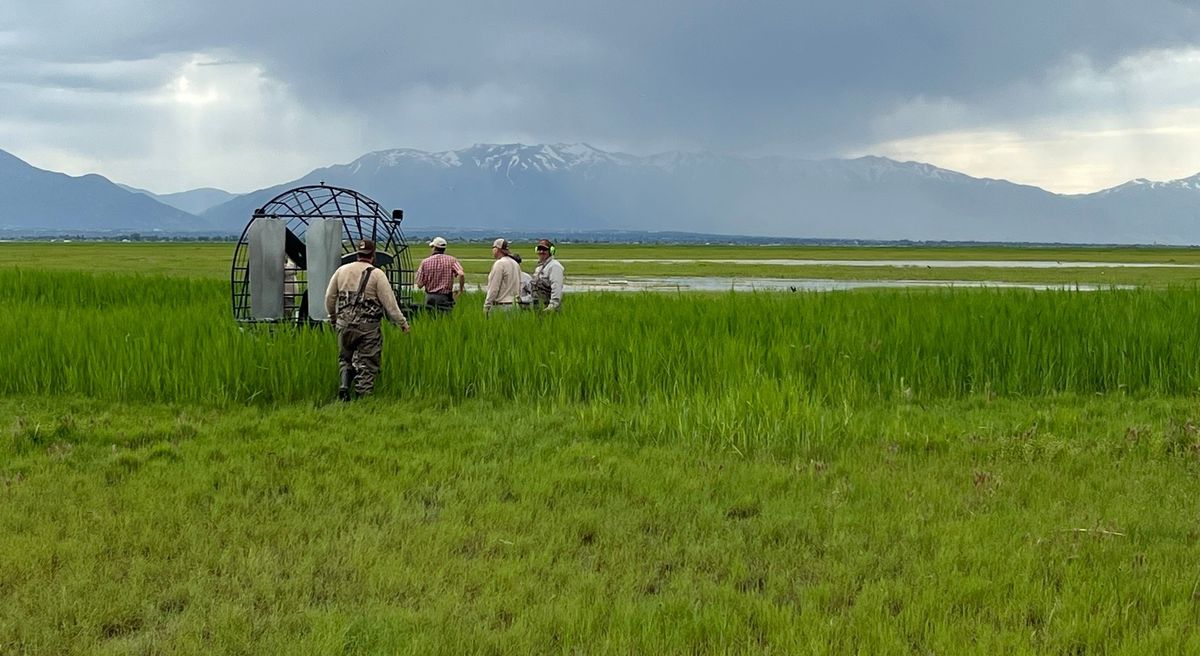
column 291, row 246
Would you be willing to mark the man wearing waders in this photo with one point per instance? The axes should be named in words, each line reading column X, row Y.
column 547, row 283
column 358, row 297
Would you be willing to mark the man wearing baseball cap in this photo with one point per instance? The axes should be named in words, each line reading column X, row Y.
column 504, row 280
column 358, row 297
column 436, row 275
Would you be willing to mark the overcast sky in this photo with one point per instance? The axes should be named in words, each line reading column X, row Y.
column 1070, row 95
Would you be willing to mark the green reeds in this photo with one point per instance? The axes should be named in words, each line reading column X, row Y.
column 167, row 339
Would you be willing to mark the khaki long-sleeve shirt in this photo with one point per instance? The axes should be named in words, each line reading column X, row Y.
column 347, row 278
column 503, row 284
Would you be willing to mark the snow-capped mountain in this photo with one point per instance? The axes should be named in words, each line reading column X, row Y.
column 494, row 157
column 579, row 187
column 576, row 187
column 1142, row 185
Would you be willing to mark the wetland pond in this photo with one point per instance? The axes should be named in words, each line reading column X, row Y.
column 745, row 284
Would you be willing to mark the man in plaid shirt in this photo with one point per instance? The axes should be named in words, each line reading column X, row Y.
column 436, row 276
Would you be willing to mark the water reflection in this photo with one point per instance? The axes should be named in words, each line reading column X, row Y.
column 926, row 264
column 717, row 284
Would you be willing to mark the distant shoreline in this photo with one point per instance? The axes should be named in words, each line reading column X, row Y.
column 587, row 237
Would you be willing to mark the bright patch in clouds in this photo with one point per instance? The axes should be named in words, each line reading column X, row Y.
column 185, row 95
column 209, row 122
column 1065, row 159
column 1098, row 129
column 229, row 125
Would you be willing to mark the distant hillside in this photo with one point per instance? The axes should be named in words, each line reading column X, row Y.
column 193, row 201
column 33, row 200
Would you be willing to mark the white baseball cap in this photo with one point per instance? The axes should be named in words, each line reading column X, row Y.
column 438, row 242
column 501, row 243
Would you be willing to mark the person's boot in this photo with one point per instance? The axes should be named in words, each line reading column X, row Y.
column 347, row 386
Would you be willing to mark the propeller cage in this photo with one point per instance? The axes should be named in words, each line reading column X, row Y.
column 289, row 250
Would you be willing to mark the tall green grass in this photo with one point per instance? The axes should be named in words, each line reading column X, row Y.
column 166, row 339
column 900, row 508
column 1011, row 527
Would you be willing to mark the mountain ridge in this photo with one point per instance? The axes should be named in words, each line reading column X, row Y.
column 192, row 201
column 34, row 199
column 575, row 186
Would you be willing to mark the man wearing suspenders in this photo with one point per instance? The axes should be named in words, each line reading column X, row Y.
column 357, row 299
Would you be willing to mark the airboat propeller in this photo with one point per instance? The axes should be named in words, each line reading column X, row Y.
column 293, row 244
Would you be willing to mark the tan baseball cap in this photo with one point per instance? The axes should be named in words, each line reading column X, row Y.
column 500, row 243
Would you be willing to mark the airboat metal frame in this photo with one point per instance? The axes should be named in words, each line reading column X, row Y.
column 263, row 258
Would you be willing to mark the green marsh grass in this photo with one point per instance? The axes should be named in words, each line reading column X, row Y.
column 1001, row 526
column 994, row 471
column 173, row 340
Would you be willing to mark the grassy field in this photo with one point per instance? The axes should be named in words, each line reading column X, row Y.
column 939, row 471
column 1046, row 526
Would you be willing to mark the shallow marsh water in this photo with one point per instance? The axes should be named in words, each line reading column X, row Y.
column 724, row 284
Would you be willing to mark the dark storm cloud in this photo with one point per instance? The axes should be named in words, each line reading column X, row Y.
column 726, row 75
